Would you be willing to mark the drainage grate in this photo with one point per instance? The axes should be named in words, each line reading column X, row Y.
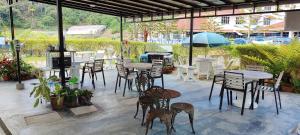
column 4, row 128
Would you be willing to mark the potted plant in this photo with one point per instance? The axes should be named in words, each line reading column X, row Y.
column 71, row 97
column 57, row 97
column 73, row 83
column 84, row 97
column 41, row 92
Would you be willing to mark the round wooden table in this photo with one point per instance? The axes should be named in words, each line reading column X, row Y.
column 166, row 94
column 249, row 76
column 139, row 66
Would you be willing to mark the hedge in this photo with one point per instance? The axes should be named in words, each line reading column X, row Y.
column 37, row 47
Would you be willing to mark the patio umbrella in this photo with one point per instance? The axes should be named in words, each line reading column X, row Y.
column 206, row 39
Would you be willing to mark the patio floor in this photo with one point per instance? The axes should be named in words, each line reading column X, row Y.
column 115, row 113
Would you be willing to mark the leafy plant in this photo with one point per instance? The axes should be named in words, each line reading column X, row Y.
column 41, row 92
column 73, row 80
column 59, row 93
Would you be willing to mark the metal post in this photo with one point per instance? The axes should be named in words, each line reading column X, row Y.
column 191, row 38
column 61, row 42
column 11, row 16
column 121, row 36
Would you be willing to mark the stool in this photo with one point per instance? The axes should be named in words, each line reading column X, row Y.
column 186, row 107
column 164, row 115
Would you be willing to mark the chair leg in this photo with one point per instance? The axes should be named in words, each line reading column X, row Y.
column 96, row 76
column 144, row 108
column 230, row 97
column 116, row 84
column 212, row 87
column 263, row 95
column 119, row 81
column 191, row 117
column 137, row 109
column 126, row 80
column 82, row 78
column 221, row 99
column 162, row 81
column 279, row 98
column 257, row 97
column 244, row 99
column 276, row 101
column 227, row 93
column 103, row 77
column 93, row 78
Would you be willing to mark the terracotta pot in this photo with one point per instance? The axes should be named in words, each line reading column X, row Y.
column 71, row 101
column 284, row 87
column 6, row 78
column 55, row 104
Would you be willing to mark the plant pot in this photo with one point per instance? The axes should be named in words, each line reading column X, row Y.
column 84, row 100
column 71, row 101
column 74, row 86
column 6, row 78
column 57, row 105
column 285, row 87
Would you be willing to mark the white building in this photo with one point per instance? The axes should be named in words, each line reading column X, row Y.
column 87, row 30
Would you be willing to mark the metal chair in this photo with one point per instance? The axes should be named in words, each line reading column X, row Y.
column 98, row 67
column 219, row 77
column 157, row 72
column 88, row 68
column 143, row 83
column 236, row 82
column 274, row 89
column 126, row 75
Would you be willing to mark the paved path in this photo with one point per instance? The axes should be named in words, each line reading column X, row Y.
column 115, row 115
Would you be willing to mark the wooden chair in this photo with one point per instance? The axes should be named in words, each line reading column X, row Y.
column 88, row 68
column 274, row 89
column 236, row 82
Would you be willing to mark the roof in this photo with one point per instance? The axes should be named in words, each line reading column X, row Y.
column 86, row 30
column 141, row 10
column 273, row 27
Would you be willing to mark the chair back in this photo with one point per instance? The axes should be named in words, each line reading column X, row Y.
column 234, row 81
column 121, row 70
column 278, row 80
column 143, row 83
column 156, row 70
column 157, row 61
column 255, row 68
column 98, row 64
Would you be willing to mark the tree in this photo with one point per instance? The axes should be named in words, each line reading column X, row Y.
column 211, row 25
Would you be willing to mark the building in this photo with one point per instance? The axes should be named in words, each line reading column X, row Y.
column 87, row 30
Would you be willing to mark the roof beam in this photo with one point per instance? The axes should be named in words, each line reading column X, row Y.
column 170, row 4
column 81, row 8
column 118, row 5
column 189, row 3
column 206, row 2
column 95, row 5
column 153, row 5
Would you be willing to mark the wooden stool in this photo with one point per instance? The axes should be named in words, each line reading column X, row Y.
column 164, row 115
column 178, row 107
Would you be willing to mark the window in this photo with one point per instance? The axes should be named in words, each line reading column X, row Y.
column 267, row 21
column 225, row 20
column 239, row 20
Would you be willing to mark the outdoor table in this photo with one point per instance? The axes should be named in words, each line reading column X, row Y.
column 139, row 66
column 249, row 76
column 167, row 94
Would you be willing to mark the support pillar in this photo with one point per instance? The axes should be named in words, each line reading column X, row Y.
column 121, row 36
column 11, row 16
column 191, row 38
column 61, row 42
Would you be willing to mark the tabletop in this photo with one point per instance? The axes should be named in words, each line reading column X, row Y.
column 139, row 66
column 165, row 93
column 254, row 75
column 205, row 59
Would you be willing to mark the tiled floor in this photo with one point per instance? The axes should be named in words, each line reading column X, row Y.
column 115, row 115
